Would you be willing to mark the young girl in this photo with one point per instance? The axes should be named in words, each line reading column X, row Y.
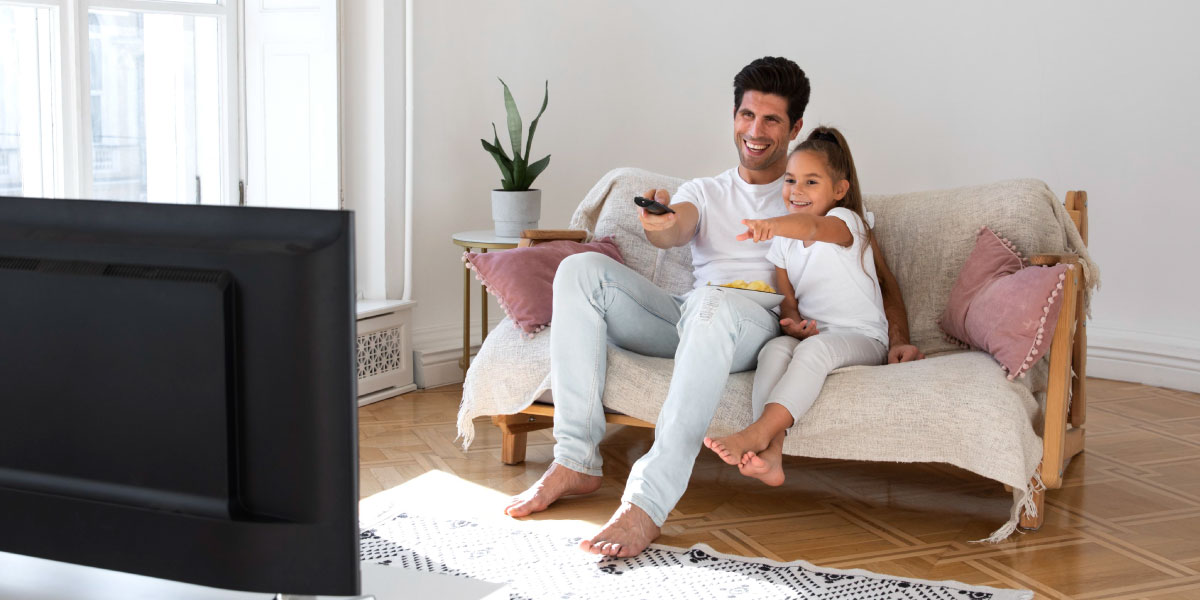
column 825, row 271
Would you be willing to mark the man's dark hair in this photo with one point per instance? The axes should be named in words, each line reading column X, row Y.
column 774, row 75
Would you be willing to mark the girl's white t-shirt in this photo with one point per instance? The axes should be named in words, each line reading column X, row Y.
column 831, row 284
column 723, row 201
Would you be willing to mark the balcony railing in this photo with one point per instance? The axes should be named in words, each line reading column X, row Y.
column 119, row 168
column 10, row 164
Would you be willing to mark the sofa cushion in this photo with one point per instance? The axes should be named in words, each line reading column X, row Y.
column 522, row 279
column 1003, row 307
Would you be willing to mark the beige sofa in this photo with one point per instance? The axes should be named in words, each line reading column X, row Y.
column 954, row 407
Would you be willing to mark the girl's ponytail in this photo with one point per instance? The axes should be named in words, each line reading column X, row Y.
column 830, row 143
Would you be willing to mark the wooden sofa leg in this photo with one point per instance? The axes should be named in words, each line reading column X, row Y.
column 1039, row 500
column 512, row 448
column 514, row 430
column 513, row 438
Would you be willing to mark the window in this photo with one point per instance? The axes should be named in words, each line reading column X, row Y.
column 27, row 101
column 147, row 115
column 153, row 96
column 142, row 100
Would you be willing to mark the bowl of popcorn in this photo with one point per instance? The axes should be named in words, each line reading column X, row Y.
column 758, row 291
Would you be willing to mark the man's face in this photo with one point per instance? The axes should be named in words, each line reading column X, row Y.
column 761, row 131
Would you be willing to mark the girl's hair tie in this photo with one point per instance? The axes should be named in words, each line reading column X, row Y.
column 824, row 136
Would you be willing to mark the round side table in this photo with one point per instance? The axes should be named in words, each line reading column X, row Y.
column 484, row 240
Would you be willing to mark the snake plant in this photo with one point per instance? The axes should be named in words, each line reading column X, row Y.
column 517, row 174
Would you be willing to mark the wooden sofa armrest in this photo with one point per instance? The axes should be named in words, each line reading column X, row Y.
column 1053, row 259
column 532, row 237
column 1063, row 417
column 1061, row 441
column 1049, row 260
column 1066, row 394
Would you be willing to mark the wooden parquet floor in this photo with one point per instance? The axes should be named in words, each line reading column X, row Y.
column 1125, row 524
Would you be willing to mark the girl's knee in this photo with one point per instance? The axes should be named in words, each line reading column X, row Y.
column 815, row 349
column 777, row 347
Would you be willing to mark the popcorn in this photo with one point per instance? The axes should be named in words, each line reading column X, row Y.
column 757, row 285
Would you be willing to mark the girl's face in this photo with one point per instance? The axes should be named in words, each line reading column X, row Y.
column 808, row 187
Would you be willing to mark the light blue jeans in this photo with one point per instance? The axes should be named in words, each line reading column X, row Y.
column 710, row 334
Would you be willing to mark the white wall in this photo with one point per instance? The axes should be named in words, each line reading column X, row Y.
column 931, row 94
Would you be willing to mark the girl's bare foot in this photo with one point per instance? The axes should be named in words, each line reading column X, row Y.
column 556, row 482
column 766, row 467
column 627, row 533
column 732, row 448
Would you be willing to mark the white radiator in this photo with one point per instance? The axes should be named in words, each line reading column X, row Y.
column 385, row 358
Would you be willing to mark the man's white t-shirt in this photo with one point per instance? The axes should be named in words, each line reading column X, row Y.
column 831, row 284
column 723, row 201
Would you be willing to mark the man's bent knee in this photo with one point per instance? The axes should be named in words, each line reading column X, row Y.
column 583, row 268
column 705, row 306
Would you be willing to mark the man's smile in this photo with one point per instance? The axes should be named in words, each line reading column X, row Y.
column 755, row 148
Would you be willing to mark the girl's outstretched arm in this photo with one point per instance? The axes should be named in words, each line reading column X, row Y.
column 799, row 226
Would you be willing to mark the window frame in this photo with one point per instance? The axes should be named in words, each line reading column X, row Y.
column 73, row 136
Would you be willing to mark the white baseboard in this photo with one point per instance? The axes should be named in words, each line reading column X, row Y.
column 391, row 392
column 1152, row 359
column 437, row 351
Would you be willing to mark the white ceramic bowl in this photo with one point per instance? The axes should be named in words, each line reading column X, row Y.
column 766, row 300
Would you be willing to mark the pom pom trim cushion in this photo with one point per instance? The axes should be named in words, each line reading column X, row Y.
column 522, row 279
column 1002, row 306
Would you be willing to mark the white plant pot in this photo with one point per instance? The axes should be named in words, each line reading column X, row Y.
column 514, row 212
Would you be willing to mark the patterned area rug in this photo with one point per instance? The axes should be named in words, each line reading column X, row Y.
column 541, row 565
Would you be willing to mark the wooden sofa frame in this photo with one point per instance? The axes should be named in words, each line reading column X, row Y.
column 1066, row 393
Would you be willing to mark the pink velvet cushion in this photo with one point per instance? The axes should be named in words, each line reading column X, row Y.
column 1003, row 307
column 522, row 279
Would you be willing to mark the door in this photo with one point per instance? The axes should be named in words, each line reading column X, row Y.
column 292, row 104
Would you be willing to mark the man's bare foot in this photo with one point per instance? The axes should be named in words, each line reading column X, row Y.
column 627, row 533
column 766, row 467
column 732, row 448
column 556, row 482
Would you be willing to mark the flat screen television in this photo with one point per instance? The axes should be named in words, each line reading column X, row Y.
column 177, row 392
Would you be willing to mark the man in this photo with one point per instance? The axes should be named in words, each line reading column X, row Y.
column 710, row 332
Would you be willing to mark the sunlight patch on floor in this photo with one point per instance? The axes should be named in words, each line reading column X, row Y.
column 441, row 494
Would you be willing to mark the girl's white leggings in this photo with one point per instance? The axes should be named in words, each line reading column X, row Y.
column 791, row 372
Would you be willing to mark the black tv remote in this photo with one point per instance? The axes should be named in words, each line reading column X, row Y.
column 653, row 207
